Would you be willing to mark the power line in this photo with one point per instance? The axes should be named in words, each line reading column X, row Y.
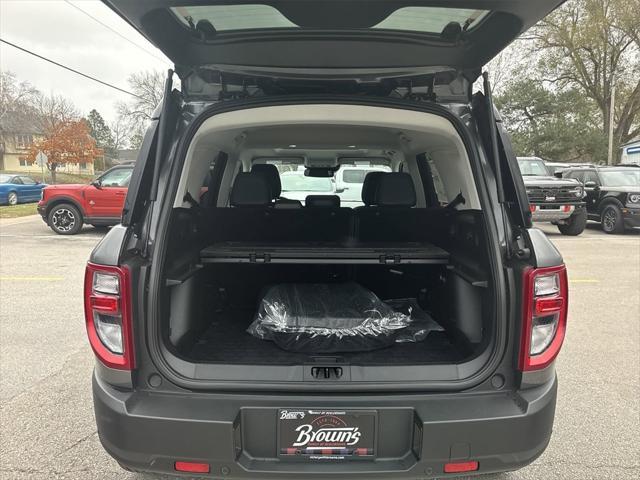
column 69, row 68
column 164, row 60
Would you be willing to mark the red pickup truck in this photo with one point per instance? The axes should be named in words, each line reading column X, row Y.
column 65, row 208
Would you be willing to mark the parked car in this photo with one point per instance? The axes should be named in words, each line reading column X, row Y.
column 551, row 199
column 17, row 188
column 297, row 186
column 66, row 207
column 613, row 195
column 182, row 387
column 556, row 168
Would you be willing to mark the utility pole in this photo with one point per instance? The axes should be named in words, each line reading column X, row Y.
column 611, row 112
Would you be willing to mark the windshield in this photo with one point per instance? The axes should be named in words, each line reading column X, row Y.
column 5, row 178
column 297, row 182
column 620, row 178
column 259, row 16
column 533, row 168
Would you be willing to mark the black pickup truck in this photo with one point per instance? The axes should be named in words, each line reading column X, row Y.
column 551, row 199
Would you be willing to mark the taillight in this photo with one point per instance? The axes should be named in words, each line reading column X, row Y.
column 545, row 300
column 107, row 310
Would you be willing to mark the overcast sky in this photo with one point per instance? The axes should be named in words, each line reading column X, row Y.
column 57, row 30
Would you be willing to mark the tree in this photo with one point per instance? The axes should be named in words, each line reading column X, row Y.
column 54, row 109
column 590, row 45
column 148, row 88
column 560, row 125
column 15, row 95
column 66, row 142
column 103, row 136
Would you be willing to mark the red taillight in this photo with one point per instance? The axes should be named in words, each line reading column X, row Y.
column 192, row 467
column 107, row 310
column 459, row 467
column 545, row 303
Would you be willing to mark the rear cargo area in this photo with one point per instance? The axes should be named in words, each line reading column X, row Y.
column 227, row 298
column 404, row 227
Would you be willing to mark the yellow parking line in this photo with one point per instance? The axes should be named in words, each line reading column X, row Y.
column 30, row 279
column 583, row 280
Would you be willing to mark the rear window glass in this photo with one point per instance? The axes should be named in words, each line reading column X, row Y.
column 354, row 176
column 297, row 182
column 259, row 16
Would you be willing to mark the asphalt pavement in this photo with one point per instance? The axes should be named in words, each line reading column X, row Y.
column 47, row 428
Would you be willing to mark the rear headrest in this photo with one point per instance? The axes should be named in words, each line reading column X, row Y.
column 396, row 190
column 250, row 190
column 322, row 201
column 271, row 174
column 370, row 187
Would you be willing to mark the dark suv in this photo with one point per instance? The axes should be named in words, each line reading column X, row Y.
column 613, row 195
column 244, row 330
column 552, row 199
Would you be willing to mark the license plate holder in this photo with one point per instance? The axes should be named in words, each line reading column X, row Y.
column 327, row 434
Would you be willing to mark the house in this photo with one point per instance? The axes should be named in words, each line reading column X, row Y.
column 631, row 152
column 127, row 156
column 18, row 131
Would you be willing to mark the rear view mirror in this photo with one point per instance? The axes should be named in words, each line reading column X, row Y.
column 558, row 174
column 320, row 172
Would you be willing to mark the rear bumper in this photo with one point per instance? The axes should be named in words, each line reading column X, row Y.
column 236, row 434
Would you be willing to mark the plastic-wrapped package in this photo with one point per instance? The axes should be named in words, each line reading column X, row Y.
column 421, row 322
column 326, row 318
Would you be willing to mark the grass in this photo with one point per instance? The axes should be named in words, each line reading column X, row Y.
column 60, row 177
column 15, row 211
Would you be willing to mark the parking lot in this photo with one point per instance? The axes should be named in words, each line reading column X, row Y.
column 46, row 424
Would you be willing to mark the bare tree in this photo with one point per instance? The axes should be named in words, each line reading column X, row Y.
column 134, row 116
column 15, row 95
column 148, row 87
column 55, row 109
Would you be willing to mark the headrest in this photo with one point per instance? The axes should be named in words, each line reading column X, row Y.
column 370, row 186
column 396, row 190
column 271, row 174
column 250, row 190
column 322, row 201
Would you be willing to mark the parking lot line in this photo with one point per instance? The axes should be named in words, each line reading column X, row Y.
column 12, row 278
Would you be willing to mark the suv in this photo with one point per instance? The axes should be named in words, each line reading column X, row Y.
column 65, row 208
column 551, row 199
column 613, row 195
column 245, row 335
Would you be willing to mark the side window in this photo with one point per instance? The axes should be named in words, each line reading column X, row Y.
column 16, row 181
column 437, row 183
column 577, row 175
column 28, row 180
column 116, row 178
column 591, row 176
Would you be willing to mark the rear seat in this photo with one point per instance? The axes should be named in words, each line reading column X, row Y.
column 322, row 201
column 253, row 218
column 388, row 215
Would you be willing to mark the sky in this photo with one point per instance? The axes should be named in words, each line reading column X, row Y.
column 57, row 30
